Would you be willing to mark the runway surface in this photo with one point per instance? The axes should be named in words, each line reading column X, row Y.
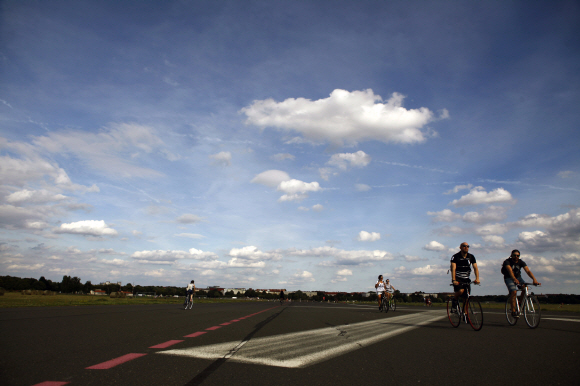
column 263, row 343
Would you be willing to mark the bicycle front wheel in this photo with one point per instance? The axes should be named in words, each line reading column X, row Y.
column 508, row 313
column 474, row 313
column 532, row 311
column 454, row 315
column 385, row 304
column 185, row 304
column 393, row 304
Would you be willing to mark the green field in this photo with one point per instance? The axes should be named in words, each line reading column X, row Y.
column 16, row 299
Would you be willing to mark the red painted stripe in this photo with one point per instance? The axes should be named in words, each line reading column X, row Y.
column 166, row 344
column 213, row 328
column 235, row 320
column 195, row 334
column 115, row 362
column 51, row 383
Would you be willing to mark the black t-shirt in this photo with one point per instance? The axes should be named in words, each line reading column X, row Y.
column 516, row 267
column 463, row 265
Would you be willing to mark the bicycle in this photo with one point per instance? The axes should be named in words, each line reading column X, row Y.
column 387, row 304
column 188, row 302
column 531, row 307
column 281, row 301
column 471, row 312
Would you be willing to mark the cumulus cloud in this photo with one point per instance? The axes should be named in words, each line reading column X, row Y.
column 446, row 215
column 478, row 196
column 271, row 178
column 317, row 208
column 296, row 190
column 344, row 160
column 344, row 272
column 492, row 213
column 170, row 257
column 435, row 246
column 344, row 117
column 223, row 158
column 24, row 267
column 87, row 228
column 368, row 236
column 343, row 257
column 496, row 241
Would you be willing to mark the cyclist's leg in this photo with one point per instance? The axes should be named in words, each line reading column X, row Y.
column 379, row 298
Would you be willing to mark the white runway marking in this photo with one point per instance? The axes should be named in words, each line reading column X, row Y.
column 301, row 349
column 563, row 319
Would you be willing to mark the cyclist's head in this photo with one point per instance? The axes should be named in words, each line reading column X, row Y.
column 380, row 277
column 515, row 253
column 193, row 281
column 387, row 280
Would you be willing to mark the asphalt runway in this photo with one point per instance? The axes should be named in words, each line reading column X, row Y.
column 263, row 343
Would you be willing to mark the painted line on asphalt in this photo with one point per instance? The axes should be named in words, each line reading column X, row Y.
column 166, row 344
column 213, row 328
column 115, row 362
column 302, row 349
column 195, row 334
column 563, row 319
column 51, row 383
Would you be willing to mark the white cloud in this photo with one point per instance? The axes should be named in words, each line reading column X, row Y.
column 566, row 174
column 170, row 257
column 362, row 187
column 87, row 228
column 491, row 229
column 446, row 215
column 494, row 240
column 189, row 219
column 223, row 158
column 282, row 157
column 297, row 190
column 343, row 160
column 251, row 252
column 24, row 267
column 492, row 213
column 344, row 272
column 190, row 235
column 317, row 208
column 478, row 196
column 116, row 262
column 435, row 246
column 343, row 257
column 429, row 270
column 271, row 178
column 368, row 236
column 41, row 196
column 343, row 117
column 458, row 188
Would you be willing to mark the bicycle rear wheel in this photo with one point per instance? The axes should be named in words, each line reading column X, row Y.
column 454, row 317
column 532, row 311
column 385, row 304
column 185, row 304
column 508, row 313
column 474, row 313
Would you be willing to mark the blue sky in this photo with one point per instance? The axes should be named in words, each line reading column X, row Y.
column 303, row 145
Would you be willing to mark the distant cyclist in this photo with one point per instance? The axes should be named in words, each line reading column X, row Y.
column 191, row 290
column 512, row 276
column 380, row 288
column 282, row 296
column 389, row 289
column 461, row 264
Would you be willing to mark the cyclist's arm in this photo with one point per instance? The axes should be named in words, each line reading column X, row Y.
column 453, row 266
column 476, row 273
column 530, row 274
column 511, row 273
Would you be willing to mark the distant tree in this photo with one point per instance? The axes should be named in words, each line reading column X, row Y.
column 65, row 284
column 250, row 293
column 87, row 288
column 229, row 294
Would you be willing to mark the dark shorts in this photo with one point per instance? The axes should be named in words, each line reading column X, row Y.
column 189, row 292
column 456, row 288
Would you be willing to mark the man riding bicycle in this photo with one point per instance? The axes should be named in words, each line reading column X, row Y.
column 461, row 264
column 512, row 276
column 190, row 290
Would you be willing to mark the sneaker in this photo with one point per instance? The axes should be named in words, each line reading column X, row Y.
column 515, row 314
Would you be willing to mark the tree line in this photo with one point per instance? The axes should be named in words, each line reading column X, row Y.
column 74, row 285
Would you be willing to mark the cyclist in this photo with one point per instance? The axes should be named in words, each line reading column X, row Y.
column 390, row 290
column 191, row 290
column 461, row 264
column 512, row 276
column 380, row 287
column 281, row 296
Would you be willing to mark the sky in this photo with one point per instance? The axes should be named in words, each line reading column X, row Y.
column 289, row 144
